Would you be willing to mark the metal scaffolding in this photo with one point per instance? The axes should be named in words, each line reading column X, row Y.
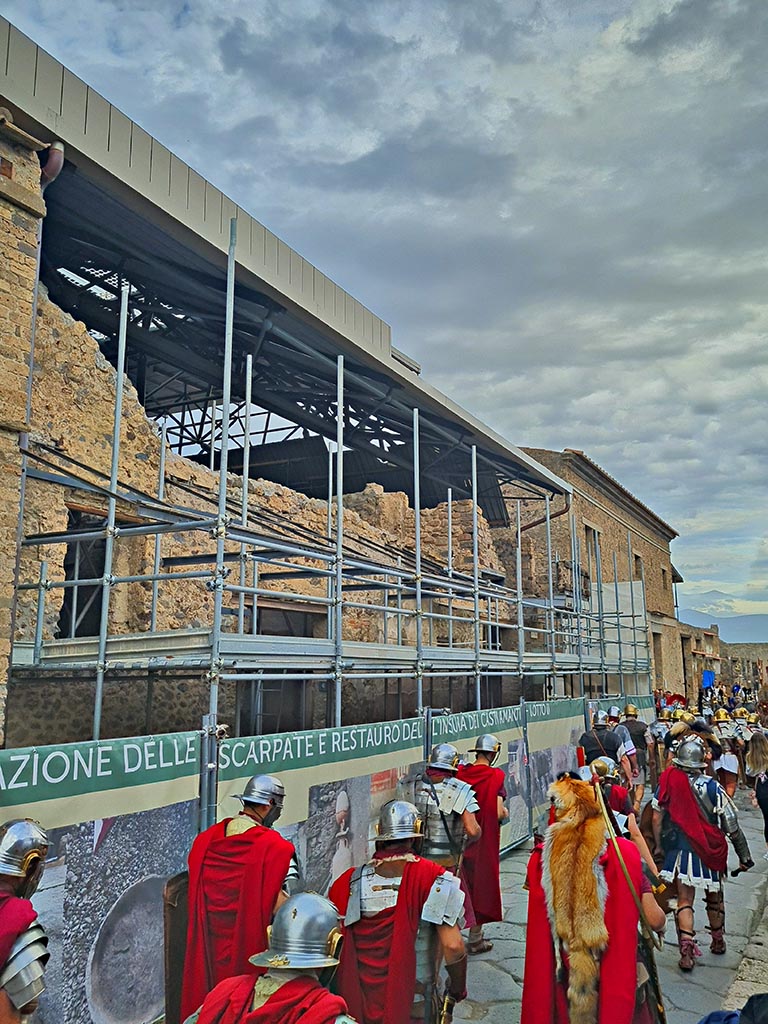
column 432, row 622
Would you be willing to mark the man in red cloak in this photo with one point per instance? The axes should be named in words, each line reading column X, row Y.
column 480, row 866
column 23, row 943
column 385, row 903
column 582, row 936
column 303, row 949
column 239, row 871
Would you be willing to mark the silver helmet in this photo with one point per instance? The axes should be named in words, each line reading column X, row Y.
column 21, row 976
column 601, row 718
column 267, row 791
column 487, row 744
column 614, row 712
column 444, row 756
column 690, row 754
column 398, row 820
column 304, row 934
column 23, row 849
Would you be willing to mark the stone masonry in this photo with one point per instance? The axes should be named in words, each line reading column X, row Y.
column 21, row 207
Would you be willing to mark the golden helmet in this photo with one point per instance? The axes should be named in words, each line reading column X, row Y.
column 721, row 715
column 740, row 713
column 630, row 711
column 677, row 714
column 665, row 715
column 687, row 717
column 753, row 719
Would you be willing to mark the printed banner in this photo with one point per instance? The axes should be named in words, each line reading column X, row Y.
column 73, row 782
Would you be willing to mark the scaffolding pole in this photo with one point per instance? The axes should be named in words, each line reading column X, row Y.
column 476, row 581
column 519, row 586
column 210, row 723
column 550, row 588
column 449, row 516
column 245, row 483
column 618, row 621
column 109, row 543
column 417, row 543
column 632, row 608
column 339, row 582
column 156, row 555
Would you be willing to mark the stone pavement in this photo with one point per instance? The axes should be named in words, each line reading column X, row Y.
column 496, row 978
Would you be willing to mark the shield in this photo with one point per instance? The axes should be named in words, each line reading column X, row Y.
column 175, row 917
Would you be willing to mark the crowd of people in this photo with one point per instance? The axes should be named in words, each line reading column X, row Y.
column 386, row 945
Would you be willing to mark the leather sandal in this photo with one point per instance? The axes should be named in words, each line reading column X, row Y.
column 481, row 946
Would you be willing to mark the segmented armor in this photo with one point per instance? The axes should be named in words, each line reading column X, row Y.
column 441, row 803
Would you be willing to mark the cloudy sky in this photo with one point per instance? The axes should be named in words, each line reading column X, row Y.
column 559, row 205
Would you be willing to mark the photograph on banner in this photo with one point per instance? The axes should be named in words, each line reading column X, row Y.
column 517, row 826
column 100, row 901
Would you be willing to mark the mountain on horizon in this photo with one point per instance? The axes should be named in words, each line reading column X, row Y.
column 733, row 629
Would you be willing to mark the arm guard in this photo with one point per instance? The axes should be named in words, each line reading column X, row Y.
column 457, row 979
column 741, row 847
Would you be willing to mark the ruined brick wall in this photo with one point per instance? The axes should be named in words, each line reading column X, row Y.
column 745, row 664
column 21, row 207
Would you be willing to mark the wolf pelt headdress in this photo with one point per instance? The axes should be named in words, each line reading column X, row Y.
column 576, row 891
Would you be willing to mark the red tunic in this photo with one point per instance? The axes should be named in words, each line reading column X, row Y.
column 544, row 997
column 16, row 915
column 676, row 797
column 480, row 866
column 301, row 1000
column 377, row 973
column 233, row 884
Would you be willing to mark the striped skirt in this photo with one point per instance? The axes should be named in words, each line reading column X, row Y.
column 686, row 866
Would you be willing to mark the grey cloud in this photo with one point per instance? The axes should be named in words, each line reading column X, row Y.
column 423, row 162
column 685, row 22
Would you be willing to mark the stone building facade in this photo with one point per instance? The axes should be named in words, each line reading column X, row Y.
column 607, row 536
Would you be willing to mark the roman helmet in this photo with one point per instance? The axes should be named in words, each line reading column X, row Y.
column 604, row 767
column 688, row 717
column 613, row 713
column 445, row 757
column 304, row 935
column 267, row 791
column 630, row 711
column 22, row 974
column 665, row 715
column 600, row 719
column 690, row 754
column 753, row 719
column 487, row 744
column 398, row 819
column 23, row 849
column 721, row 715
column 741, row 713
column 677, row 714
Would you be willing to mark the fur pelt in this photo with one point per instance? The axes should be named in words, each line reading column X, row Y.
column 574, row 884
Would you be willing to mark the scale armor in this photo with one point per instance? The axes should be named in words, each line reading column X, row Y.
column 441, row 804
column 22, row 975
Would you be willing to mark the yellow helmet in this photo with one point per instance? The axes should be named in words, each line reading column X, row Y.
column 665, row 715
column 630, row 711
column 677, row 714
column 721, row 715
column 687, row 717
column 741, row 713
column 753, row 719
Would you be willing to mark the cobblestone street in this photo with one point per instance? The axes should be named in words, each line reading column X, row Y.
column 496, row 978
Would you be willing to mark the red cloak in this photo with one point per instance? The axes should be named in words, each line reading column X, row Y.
column 299, row 1000
column 16, row 915
column 480, row 866
column 676, row 797
column 544, row 997
column 233, row 884
column 377, row 972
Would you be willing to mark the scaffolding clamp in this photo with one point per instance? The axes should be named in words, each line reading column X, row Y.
column 220, row 529
column 108, row 580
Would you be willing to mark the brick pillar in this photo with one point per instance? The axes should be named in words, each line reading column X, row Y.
column 21, row 208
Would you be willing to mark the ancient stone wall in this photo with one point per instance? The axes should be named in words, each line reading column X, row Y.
column 21, row 207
